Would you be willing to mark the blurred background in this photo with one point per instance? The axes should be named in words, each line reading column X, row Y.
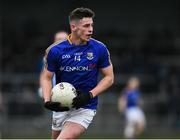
column 143, row 37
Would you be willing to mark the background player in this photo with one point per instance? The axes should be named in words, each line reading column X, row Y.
column 129, row 103
column 58, row 37
column 78, row 61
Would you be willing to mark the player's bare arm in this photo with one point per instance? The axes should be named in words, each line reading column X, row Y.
column 41, row 78
column 46, row 78
column 122, row 103
column 106, row 82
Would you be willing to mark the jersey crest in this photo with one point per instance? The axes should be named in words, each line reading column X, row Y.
column 90, row 56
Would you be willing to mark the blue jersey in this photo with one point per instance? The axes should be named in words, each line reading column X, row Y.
column 78, row 65
column 132, row 97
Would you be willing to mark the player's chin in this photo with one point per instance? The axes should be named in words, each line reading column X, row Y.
column 87, row 38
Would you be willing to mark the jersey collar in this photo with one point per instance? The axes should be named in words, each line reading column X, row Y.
column 70, row 42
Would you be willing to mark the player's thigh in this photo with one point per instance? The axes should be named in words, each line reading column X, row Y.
column 141, row 121
column 71, row 130
column 77, row 123
column 140, row 126
column 55, row 134
column 57, row 120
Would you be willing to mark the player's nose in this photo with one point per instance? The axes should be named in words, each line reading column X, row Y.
column 90, row 29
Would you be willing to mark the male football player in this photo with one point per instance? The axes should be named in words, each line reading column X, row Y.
column 77, row 60
column 130, row 104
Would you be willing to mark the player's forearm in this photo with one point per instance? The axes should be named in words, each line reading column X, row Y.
column 41, row 79
column 46, row 88
column 104, row 84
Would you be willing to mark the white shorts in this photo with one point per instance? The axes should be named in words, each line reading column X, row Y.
column 134, row 115
column 80, row 116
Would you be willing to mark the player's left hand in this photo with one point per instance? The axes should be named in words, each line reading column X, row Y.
column 81, row 99
column 55, row 106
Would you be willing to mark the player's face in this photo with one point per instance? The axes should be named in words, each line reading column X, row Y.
column 133, row 84
column 84, row 29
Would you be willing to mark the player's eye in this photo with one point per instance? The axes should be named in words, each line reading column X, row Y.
column 86, row 25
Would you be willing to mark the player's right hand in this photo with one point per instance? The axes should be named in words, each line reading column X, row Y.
column 55, row 106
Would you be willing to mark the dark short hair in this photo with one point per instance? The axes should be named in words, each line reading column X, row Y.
column 80, row 13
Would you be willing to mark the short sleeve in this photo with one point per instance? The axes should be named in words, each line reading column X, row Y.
column 51, row 60
column 104, row 60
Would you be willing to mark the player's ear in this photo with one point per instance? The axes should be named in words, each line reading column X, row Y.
column 73, row 27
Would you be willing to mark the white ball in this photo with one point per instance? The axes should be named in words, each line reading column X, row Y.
column 64, row 93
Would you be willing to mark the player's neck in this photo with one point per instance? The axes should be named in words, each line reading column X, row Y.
column 76, row 40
